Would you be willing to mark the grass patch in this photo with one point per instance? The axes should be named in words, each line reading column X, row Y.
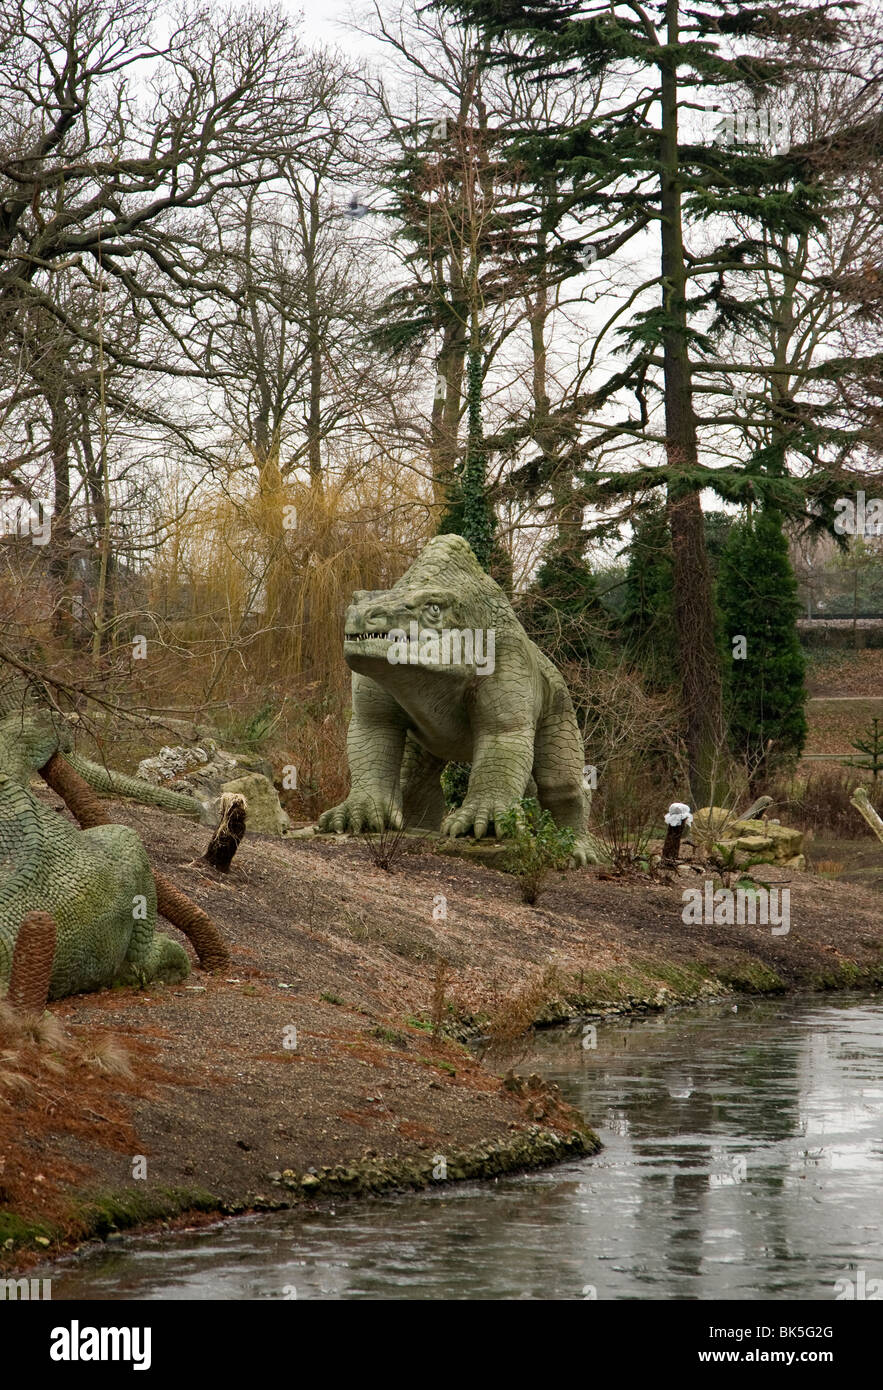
column 389, row 1035
column 438, row 1064
column 97, row 1216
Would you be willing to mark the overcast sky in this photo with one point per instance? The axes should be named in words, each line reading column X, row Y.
column 324, row 21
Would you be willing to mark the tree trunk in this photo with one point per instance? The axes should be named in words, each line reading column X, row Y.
column 228, row 833
column 445, row 421
column 60, row 538
column 314, row 341
column 99, row 496
column 693, row 605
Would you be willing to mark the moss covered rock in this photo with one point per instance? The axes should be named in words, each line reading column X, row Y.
column 754, row 841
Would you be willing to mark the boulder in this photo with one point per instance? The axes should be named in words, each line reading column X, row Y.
column 265, row 815
column 205, row 771
column 755, row 841
column 172, row 762
column 200, row 770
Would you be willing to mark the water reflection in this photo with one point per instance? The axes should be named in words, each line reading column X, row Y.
column 743, row 1159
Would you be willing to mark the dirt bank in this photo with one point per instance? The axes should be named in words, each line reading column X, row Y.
column 311, row 1064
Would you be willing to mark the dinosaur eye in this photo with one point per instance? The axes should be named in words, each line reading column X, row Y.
column 433, row 610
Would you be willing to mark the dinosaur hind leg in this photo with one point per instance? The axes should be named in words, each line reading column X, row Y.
column 164, row 960
column 423, row 803
column 557, row 771
column 151, row 955
column 127, row 927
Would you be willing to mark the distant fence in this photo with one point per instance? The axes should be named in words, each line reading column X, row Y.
column 862, row 631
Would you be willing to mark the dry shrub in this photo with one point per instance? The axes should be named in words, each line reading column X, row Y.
column 627, row 809
column 820, row 801
column 254, row 581
column 625, row 722
column 632, row 736
column 385, row 847
column 513, row 1015
column 316, row 745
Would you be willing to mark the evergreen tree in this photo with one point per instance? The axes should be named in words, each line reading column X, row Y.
column 630, row 157
column 648, row 622
column 765, row 693
column 871, row 744
column 561, row 611
column 718, row 526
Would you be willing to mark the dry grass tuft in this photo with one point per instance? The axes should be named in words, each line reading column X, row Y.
column 829, row 867
column 820, row 801
column 107, row 1055
column 42, row 1029
column 514, row 1015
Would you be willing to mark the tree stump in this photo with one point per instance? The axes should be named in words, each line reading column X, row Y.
column 677, row 817
column 229, row 832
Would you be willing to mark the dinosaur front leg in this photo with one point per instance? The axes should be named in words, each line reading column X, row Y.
column 501, row 764
column 375, row 744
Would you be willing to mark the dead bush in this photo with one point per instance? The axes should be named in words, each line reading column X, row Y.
column 820, row 801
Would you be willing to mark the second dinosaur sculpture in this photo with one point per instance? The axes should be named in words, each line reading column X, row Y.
column 422, row 698
column 97, row 884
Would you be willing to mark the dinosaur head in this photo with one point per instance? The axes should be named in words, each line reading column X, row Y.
column 28, row 739
column 445, row 592
column 374, row 614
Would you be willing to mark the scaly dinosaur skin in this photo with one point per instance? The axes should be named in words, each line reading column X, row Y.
column 516, row 725
column 90, row 881
column 111, row 783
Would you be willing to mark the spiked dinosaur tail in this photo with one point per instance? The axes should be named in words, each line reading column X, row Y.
column 110, row 783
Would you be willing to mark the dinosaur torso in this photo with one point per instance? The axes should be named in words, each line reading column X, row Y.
column 97, row 884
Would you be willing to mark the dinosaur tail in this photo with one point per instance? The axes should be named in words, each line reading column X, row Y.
column 102, row 779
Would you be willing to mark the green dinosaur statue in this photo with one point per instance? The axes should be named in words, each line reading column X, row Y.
column 97, row 884
column 17, row 696
column 443, row 672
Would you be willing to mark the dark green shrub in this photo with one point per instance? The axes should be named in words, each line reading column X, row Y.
column 765, row 693
column 538, row 845
column 455, row 783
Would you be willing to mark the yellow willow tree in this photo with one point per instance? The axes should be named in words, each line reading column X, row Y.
column 262, row 580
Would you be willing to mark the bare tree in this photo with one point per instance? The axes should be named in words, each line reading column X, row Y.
column 121, row 126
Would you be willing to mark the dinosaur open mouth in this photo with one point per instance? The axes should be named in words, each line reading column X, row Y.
column 363, row 636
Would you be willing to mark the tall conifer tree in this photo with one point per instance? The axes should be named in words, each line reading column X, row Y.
column 765, row 694
column 632, row 156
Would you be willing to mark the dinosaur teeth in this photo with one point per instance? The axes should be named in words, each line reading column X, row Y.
column 363, row 636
